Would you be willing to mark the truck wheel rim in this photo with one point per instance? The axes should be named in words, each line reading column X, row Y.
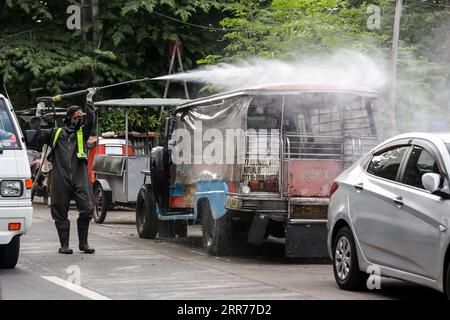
column 342, row 258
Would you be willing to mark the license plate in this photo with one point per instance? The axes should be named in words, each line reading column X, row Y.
column 233, row 203
column 309, row 212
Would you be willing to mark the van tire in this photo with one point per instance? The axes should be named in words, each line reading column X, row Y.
column 103, row 201
column 355, row 280
column 147, row 222
column 216, row 233
column 9, row 253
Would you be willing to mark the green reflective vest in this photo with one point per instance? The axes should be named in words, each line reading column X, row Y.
column 80, row 142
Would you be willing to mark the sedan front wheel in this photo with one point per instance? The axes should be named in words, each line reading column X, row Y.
column 345, row 262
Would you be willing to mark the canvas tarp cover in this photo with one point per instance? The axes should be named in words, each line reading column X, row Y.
column 217, row 141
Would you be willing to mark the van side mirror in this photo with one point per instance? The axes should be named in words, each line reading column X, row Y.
column 29, row 136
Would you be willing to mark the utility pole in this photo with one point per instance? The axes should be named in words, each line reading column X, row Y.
column 395, row 40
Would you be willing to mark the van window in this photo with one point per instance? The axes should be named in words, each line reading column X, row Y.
column 8, row 135
column 386, row 164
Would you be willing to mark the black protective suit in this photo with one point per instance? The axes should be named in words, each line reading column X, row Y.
column 70, row 178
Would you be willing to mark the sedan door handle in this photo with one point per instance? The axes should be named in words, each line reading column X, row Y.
column 359, row 187
column 398, row 201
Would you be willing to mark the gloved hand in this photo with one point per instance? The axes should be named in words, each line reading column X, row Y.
column 91, row 93
column 40, row 107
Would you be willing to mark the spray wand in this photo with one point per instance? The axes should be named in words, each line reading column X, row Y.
column 85, row 91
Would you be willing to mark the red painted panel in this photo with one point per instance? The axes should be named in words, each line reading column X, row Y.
column 91, row 154
column 232, row 186
column 178, row 202
column 130, row 150
column 313, row 178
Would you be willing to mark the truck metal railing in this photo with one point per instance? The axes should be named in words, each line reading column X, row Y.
column 268, row 156
column 314, row 147
column 356, row 147
column 262, row 156
column 347, row 148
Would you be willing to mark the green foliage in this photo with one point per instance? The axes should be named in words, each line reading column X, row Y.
column 291, row 29
column 114, row 120
column 38, row 51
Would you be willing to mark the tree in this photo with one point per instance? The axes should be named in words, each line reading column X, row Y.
column 37, row 50
column 289, row 29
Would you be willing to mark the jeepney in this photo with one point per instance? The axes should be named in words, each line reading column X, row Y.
column 255, row 163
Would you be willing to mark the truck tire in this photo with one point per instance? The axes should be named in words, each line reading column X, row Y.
column 147, row 222
column 159, row 176
column 216, row 233
column 103, row 201
column 9, row 253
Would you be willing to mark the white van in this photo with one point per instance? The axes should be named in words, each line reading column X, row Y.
column 15, row 186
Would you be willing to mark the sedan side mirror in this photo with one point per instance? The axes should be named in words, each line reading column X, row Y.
column 431, row 182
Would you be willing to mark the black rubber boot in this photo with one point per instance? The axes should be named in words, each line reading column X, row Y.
column 83, row 229
column 64, row 236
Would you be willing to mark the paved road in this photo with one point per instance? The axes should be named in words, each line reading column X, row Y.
column 127, row 267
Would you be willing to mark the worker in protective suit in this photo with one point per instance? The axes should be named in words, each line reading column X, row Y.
column 70, row 178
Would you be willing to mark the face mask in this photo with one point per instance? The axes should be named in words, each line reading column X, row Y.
column 75, row 123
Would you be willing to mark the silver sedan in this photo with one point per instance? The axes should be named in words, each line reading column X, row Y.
column 389, row 215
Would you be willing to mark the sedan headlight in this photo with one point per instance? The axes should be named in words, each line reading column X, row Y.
column 11, row 188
